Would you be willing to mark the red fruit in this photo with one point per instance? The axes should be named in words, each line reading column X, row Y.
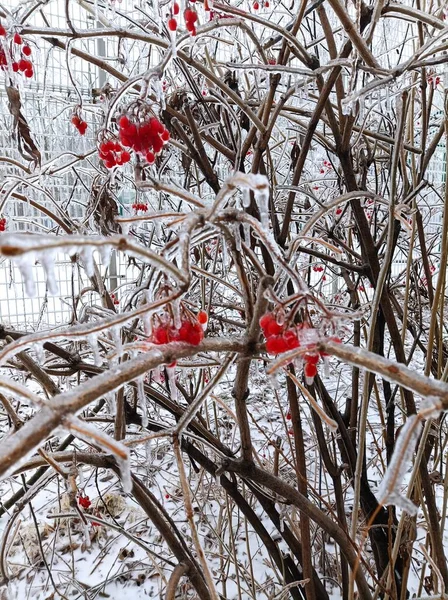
column 190, row 16
column 15, row 67
column 175, row 8
column 17, row 38
column 2, row 224
column 160, row 335
column 266, row 3
column 310, row 370
column 264, row 321
column 29, row 73
column 311, row 359
column 82, row 127
column 26, row 50
column 23, row 64
column 196, row 335
column 202, row 317
column 256, row 6
column 276, row 344
column 172, row 24
column 288, row 416
column 76, row 120
column 150, row 158
column 125, row 156
column 165, row 135
column 84, row 501
column 291, row 339
column 124, row 122
column 338, row 211
column 2, row 31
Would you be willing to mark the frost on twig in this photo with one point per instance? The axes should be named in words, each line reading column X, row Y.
column 389, row 491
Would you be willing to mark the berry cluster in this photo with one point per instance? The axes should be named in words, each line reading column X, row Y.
column 146, row 137
column 264, row 4
column 191, row 330
column 327, row 166
column 20, row 64
column 191, row 18
column 114, row 299
column 434, row 81
column 318, row 268
column 279, row 338
column 84, row 501
column 3, row 224
column 139, row 206
column 112, row 153
column 80, row 125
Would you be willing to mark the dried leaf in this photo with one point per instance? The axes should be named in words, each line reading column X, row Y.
column 25, row 143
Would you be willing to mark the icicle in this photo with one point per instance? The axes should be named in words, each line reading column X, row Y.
column 224, row 256
column 124, row 464
column 47, row 260
column 274, row 382
column 389, row 491
column 147, row 323
column 245, row 200
column 141, row 399
column 326, row 367
column 125, row 227
column 387, row 99
column 171, row 371
column 173, row 44
column 261, row 196
column 24, row 263
column 86, row 255
column 39, row 351
column 116, row 336
column 111, row 404
column 175, row 305
column 92, row 340
column 105, row 252
column 237, row 236
column 246, row 233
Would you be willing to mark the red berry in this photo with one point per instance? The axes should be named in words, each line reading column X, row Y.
column 26, row 50
column 288, row 415
column 256, row 6
column 310, row 370
column 76, row 120
column 84, row 501
column 276, row 344
column 29, row 73
column 124, row 122
column 291, row 339
column 150, row 158
column 23, row 64
column 266, row 3
column 202, row 317
column 15, row 67
column 172, row 24
column 165, row 135
column 311, row 359
column 17, row 38
column 160, row 335
column 2, row 224
column 175, row 8
column 2, row 31
column 82, row 127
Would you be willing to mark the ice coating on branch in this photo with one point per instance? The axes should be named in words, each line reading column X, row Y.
column 245, row 200
column 92, row 340
column 38, row 349
column 116, row 336
column 47, row 260
column 86, row 255
column 25, row 266
column 389, row 491
column 141, row 399
column 96, row 437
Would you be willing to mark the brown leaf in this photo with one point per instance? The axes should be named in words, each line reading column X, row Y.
column 25, row 143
